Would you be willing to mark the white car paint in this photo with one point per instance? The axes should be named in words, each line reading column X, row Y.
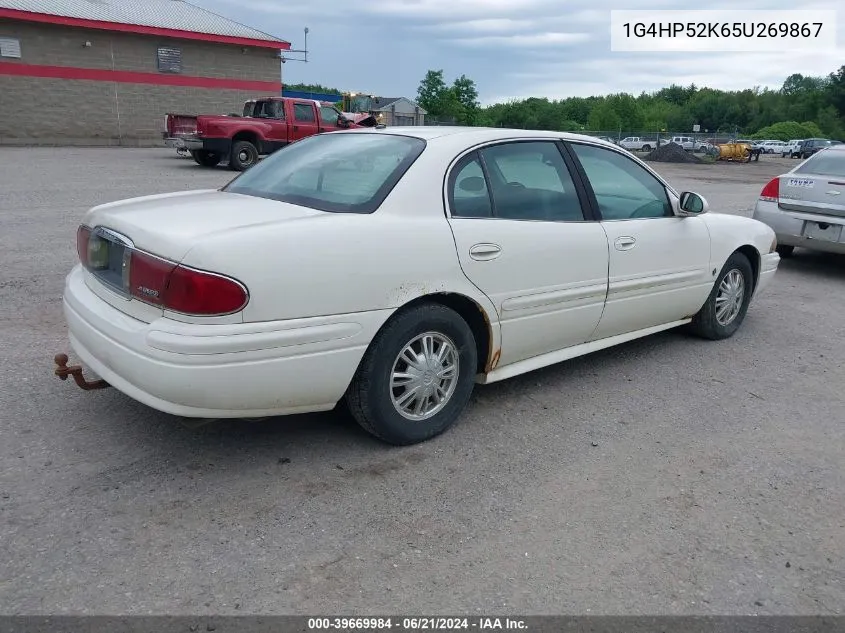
column 321, row 285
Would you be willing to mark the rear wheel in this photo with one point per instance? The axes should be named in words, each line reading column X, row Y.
column 785, row 250
column 244, row 155
column 725, row 308
column 416, row 377
column 205, row 158
column 646, row 148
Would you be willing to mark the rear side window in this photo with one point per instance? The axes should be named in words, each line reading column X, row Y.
column 303, row 112
column 338, row 172
column 826, row 163
column 470, row 197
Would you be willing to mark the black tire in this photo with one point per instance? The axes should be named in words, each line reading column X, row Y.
column 205, row 158
column 785, row 250
column 370, row 396
column 705, row 323
column 646, row 148
column 244, row 155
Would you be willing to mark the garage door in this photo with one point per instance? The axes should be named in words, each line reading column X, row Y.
column 404, row 120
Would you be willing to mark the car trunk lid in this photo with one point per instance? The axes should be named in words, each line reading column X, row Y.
column 168, row 226
column 813, row 193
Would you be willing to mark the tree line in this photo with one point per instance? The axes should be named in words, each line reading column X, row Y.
column 804, row 106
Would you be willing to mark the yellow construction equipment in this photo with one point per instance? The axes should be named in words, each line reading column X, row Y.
column 734, row 152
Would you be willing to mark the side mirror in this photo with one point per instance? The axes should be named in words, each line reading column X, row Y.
column 692, row 204
column 342, row 121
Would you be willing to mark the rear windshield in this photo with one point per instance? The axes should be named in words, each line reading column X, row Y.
column 338, row 172
column 826, row 163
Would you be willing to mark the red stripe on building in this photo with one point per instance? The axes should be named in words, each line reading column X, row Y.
column 29, row 16
column 122, row 76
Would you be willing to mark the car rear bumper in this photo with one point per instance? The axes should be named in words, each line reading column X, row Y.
column 220, row 371
column 791, row 227
column 220, row 146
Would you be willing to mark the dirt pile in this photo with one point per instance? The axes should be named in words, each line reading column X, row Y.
column 672, row 153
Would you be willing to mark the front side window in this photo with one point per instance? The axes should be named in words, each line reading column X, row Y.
column 530, row 181
column 624, row 190
column 329, row 115
column 341, row 173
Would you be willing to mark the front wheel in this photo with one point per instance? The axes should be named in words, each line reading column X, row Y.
column 646, row 148
column 416, row 377
column 244, row 155
column 726, row 307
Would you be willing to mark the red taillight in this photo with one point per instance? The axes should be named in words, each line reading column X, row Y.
column 173, row 287
column 83, row 236
column 196, row 292
column 148, row 277
column 771, row 192
column 158, row 281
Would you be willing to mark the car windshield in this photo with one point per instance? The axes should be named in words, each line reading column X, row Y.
column 338, row 172
column 827, row 163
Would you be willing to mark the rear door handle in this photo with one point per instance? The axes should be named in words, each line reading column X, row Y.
column 485, row 252
column 625, row 243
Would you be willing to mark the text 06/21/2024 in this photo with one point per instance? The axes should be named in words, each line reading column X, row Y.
column 723, row 31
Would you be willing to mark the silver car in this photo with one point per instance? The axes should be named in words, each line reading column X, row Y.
column 806, row 205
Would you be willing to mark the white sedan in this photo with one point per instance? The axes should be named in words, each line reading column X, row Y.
column 394, row 269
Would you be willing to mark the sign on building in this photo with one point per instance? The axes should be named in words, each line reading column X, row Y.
column 10, row 47
column 169, row 59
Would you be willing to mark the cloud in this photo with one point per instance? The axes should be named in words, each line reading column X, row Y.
column 525, row 41
column 488, row 25
column 511, row 48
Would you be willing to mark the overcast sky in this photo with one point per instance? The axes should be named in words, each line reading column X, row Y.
column 511, row 48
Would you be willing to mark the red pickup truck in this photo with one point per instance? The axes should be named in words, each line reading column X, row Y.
column 267, row 124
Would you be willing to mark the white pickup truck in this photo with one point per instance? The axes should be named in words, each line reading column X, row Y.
column 690, row 144
column 637, row 143
column 791, row 148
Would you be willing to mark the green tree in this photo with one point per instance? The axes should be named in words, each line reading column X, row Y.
column 312, row 88
column 604, row 118
column 432, row 92
column 466, row 94
column 835, row 92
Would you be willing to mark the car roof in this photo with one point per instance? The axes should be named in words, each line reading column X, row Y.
column 473, row 135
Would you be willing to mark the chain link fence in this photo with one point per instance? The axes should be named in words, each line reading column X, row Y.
column 637, row 140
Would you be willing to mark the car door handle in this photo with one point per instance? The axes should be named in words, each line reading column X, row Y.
column 625, row 243
column 485, row 252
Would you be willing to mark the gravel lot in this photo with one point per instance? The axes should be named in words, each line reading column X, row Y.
column 717, row 484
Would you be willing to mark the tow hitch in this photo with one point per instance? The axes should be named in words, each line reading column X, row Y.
column 63, row 371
